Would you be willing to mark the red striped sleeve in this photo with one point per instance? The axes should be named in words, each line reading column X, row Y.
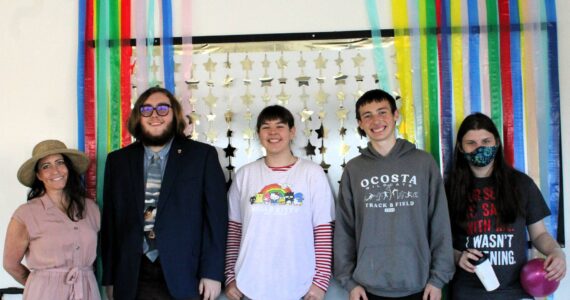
column 323, row 255
column 232, row 250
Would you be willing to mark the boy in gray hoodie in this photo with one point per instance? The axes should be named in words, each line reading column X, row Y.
column 392, row 236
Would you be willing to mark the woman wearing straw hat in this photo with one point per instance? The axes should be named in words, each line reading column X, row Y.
column 56, row 229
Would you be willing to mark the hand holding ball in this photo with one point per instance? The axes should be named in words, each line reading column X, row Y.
column 533, row 279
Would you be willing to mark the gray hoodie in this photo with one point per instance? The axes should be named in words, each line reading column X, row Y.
column 392, row 232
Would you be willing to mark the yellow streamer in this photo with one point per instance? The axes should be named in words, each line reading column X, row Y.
column 457, row 62
column 404, row 64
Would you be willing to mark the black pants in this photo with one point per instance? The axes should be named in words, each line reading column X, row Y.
column 417, row 296
column 151, row 284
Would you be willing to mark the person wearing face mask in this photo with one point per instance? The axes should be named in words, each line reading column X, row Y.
column 492, row 206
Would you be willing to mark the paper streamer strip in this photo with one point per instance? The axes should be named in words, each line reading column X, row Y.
column 114, row 76
column 378, row 51
column 494, row 63
column 506, row 80
column 518, row 105
column 142, row 65
column 464, row 19
column 529, row 41
column 554, row 130
column 474, row 75
column 414, row 18
column 445, row 82
column 456, row 67
column 81, row 75
column 186, row 61
column 424, row 33
column 168, row 50
column 484, row 59
column 432, row 80
column 102, row 92
column 89, row 100
column 153, row 80
column 403, row 58
column 126, row 53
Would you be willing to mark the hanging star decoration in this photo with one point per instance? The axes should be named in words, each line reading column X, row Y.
column 358, row 60
column 320, row 62
column 340, row 78
column 310, row 149
column 306, row 114
column 325, row 166
column 210, row 65
column 303, row 80
column 322, row 149
column 321, row 97
column 283, row 98
column 229, row 150
column 246, row 64
column 266, row 79
column 341, row 113
column 247, row 99
column 320, row 132
column 211, row 100
column 342, row 131
column 344, row 149
column 212, row 135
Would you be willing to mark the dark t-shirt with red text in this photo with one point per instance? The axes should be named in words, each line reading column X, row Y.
column 506, row 245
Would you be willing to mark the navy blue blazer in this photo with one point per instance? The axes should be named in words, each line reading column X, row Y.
column 191, row 220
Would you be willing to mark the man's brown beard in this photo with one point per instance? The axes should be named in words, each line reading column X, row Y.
column 148, row 140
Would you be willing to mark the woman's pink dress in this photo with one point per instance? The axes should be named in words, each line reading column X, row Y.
column 61, row 252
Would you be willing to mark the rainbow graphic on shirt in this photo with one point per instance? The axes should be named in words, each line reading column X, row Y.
column 277, row 194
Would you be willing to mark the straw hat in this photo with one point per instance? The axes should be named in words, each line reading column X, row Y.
column 27, row 172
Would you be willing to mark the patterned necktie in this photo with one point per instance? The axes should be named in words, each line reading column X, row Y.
column 152, row 192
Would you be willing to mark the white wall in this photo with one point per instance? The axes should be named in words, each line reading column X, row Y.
column 38, row 41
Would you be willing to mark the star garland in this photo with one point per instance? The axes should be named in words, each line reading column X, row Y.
column 228, row 117
column 247, row 100
column 211, row 101
column 283, row 97
column 341, row 112
column 322, row 99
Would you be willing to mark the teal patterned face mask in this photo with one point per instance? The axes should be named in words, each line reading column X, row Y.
column 481, row 156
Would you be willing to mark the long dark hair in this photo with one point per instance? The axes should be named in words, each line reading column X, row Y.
column 74, row 190
column 134, row 124
column 459, row 183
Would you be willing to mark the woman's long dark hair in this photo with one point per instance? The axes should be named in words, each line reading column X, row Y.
column 74, row 190
column 459, row 183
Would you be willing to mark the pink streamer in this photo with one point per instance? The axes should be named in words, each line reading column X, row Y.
column 141, row 48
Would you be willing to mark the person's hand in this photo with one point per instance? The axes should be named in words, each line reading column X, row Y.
column 232, row 291
column 469, row 254
column 109, row 292
column 431, row 293
column 555, row 265
column 209, row 289
column 314, row 293
column 358, row 293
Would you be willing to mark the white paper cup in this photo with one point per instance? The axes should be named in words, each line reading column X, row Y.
column 486, row 274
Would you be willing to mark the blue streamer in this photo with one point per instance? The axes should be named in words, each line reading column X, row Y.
column 518, row 104
column 381, row 69
column 446, row 86
column 554, row 132
column 150, row 41
column 81, row 76
column 168, row 50
column 474, row 72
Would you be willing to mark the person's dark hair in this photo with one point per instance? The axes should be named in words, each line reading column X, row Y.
column 460, row 179
column 134, row 123
column 275, row 112
column 373, row 96
column 74, row 190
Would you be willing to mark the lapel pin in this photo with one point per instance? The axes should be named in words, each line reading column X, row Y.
column 179, row 151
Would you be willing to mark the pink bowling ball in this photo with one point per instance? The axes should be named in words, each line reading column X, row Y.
column 533, row 279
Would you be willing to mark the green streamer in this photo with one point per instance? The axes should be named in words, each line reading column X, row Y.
column 115, row 75
column 494, row 64
column 433, row 80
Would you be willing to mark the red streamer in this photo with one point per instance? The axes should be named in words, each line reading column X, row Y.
column 506, row 79
column 89, row 107
column 126, row 53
